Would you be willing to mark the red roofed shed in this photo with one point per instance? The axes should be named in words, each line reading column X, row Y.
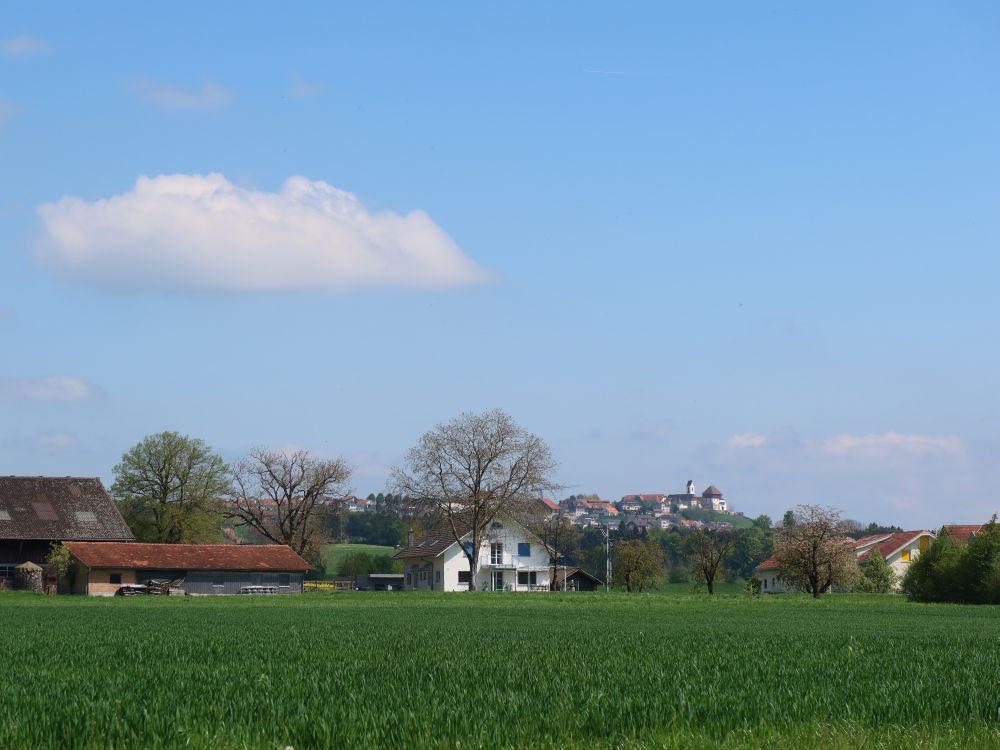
column 101, row 568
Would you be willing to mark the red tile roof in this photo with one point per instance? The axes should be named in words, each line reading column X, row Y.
column 550, row 504
column 771, row 563
column 187, row 556
column 891, row 543
column 962, row 533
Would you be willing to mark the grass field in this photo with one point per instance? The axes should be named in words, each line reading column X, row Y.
column 496, row 670
column 337, row 552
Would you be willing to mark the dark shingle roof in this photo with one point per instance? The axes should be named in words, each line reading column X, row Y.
column 711, row 491
column 59, row 508
column 187, row 556
column 437, row 539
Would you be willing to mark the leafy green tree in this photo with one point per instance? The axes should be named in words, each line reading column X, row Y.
column 637, row 564
column 169, row 489
column 788, row 519
column 58, row 562
column 934, row 576
column 752, row 547
column 355, row 564
column 979, row 561
column 877, row 576
column 763, row 521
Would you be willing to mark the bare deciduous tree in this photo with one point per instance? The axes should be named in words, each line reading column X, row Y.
column 708, row 550
column 558, row 535
column 282, row 496
column 470, row 470
column 815, row 553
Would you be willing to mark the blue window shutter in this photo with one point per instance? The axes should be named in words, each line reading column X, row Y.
column 523, row 549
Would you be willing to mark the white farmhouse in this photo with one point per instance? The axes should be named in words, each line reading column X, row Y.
column 511, row 559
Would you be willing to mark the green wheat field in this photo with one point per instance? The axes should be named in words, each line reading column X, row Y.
column 403, row 670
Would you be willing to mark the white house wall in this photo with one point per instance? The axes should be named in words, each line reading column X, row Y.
column 453, row 560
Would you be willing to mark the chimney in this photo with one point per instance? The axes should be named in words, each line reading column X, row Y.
column 409, row 537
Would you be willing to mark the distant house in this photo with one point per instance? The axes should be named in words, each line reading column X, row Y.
column 101, row 568
column 551, row 505
column 898, row 549
column 574, row 579
column 962, row 534
column 511, row 559
column 629, row 506
column 37, row 512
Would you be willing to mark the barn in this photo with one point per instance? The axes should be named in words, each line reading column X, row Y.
column 101, row 568
column 36, row 512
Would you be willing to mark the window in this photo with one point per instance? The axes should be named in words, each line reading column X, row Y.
column 765, row 584
column 498, row 580
column 437, row 576
column 527, row 578
column 523, row 549
column 85, row 516
column 906, row 555
column 45, row 511
column 409, row 579
column 464, row 576
column 116, row 578
column 496, row 553
column 284, row 579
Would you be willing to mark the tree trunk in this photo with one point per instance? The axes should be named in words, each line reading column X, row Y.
column 710, row 583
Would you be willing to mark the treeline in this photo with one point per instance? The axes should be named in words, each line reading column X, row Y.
column 950, row 571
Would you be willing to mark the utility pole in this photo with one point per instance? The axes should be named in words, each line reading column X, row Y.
column 607, row 556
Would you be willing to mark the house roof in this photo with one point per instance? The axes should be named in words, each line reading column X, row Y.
column 771, row 563
column 891, row 544
column 550, row 504
column 962, row 533
column 187, row 556
column 58, row 509
column 711, row 491
column 561, row 573
column 437, row 539
column 870, row 539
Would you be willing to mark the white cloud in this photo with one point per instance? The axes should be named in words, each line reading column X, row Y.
column 748, row 440
column 299, row 88
column 892, row 444
column 203, row 232
column 59, row 388
column 57, row 441
column 24, row 45
column 169, row 96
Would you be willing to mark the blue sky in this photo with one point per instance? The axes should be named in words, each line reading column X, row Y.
column 753, row 246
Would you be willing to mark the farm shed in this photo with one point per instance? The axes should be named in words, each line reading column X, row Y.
column 101, row 568
column 575, row 579
column 36, row 512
